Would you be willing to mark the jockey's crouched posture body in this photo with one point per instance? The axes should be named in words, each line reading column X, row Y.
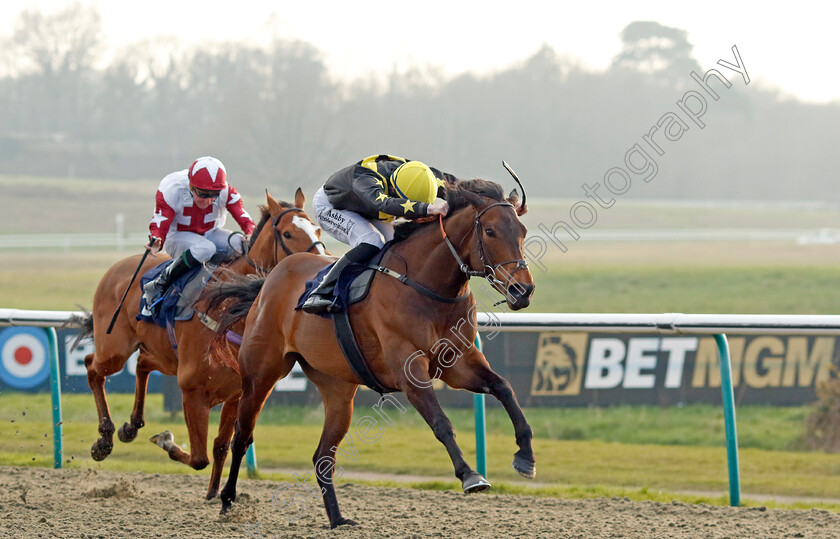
column 189, row 214
column 358, row 203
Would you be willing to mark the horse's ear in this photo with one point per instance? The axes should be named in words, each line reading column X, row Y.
column 273, row 206
column 300, row 198
column 513, row 198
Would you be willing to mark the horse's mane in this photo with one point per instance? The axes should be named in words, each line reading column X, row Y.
column 265, row 217
column 459, row 195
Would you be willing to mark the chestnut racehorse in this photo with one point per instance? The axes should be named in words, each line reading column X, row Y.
column 204, row 381
column 406, row 333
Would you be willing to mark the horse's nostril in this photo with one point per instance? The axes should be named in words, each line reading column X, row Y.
column 521, row 290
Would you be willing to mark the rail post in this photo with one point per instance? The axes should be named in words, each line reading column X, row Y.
column 727, row 393
column 480, row 426
column 55, row 391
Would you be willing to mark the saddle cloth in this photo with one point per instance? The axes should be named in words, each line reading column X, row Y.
column 352, row 287
column 177, row 302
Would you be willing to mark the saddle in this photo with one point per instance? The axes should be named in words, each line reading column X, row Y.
column 352, row 287
column 177, row 302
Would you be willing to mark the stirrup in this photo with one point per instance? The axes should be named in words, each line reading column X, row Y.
column 152, row 294
column 317, row 304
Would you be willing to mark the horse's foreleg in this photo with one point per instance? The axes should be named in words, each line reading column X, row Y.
column 473, row 373
column 197, row 417
column 102, row 447
column 523, row 460
column 338, row 411
column 426, row 403
column 128, row 432
column 227, row 420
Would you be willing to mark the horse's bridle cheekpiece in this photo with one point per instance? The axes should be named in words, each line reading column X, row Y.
column 488, row 270
column 279, row 237
column 278, row 240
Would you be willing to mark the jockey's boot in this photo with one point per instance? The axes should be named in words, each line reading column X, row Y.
column 157, row 287
column 321, row 298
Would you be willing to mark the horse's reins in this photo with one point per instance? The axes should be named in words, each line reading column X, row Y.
column 489, row 271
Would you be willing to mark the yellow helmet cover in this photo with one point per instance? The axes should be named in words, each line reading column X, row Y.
column 415, row 181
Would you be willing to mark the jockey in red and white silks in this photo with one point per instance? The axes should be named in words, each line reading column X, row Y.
column 182, row 225
column 190, row 210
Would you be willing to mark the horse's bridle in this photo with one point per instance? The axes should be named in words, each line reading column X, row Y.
column 489, row 269
column 278, row 240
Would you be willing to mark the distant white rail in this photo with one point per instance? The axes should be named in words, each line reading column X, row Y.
column 795, row 235
column 71, row 241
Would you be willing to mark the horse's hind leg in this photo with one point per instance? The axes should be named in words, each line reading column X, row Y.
column 473, row 373
column 197, row 417
column 128, row 432
column 227, row 421
column 338, row 411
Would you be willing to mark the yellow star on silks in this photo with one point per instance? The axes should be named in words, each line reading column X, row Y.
column 382, row 196
column 408, row 206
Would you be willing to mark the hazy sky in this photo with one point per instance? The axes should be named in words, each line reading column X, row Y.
column 793, row 48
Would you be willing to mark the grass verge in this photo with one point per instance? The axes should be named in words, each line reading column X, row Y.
column 286, row 438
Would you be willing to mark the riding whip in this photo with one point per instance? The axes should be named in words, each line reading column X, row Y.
column 127, row 288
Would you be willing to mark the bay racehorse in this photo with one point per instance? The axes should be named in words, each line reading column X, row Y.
column 407, row 334
column 205, row 379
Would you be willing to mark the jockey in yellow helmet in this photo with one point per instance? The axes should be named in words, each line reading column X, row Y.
column 358, row 203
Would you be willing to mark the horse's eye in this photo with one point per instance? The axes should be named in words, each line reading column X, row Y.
column 287, row 235
column 489, row 232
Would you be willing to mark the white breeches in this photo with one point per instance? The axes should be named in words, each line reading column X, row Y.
column 348, row 226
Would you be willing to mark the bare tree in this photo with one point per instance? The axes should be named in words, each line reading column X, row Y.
column 65, row 41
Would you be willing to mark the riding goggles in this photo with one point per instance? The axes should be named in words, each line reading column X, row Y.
column 205, row 193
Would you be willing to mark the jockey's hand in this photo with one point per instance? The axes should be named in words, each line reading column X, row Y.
column 154, row 246
column 520, row 209
column 438, row 208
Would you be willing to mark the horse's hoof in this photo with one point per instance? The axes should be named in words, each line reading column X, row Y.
column 163, row 439
column 474, row 482
column 127, row 433
column 525, row 468
column 344, row 522
column 100, row 449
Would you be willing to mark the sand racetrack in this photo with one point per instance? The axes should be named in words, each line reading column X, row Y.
column 42, row 502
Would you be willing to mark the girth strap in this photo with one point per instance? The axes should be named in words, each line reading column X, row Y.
column 347, row 342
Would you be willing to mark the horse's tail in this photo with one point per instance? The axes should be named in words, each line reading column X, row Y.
column 82, row 321
column 231, row 299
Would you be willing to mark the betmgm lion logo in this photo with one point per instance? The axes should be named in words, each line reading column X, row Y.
column 559, row 366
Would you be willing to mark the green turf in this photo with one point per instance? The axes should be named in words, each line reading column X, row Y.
column 63, row 281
